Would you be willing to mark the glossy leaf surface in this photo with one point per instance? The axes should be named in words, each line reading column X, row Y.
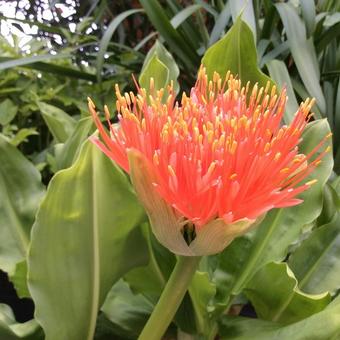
column 274, row 293
column 84, row 239
column 316, row 262
column 235, row 52
column 21, row 192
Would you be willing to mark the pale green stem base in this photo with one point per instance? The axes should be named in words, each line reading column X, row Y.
column 171, row 298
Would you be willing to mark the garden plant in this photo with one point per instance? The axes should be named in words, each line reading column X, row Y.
column 169, row 170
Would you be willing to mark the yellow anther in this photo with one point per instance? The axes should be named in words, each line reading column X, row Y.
column 269, row 133
column 127, row 98
column 210, row 136
column 273, row 91
column 118, row 95
column 155, row 158
column 265, row 101
column 266, row 147
column 118, row 105
column 299, row 158
column 267, row 86
column 134, row 118
column 169, row 100
column 259, row 95
column 221, row 140
column 328, row 149
column 284, row 170
column 214, row 145
column 295, row 132
column 90, row 102
column 233, row 147
column 233, row 176
column 313, row 181
column 107, row 112
column 273, row 100
column 216, row 77
column 280, row 134
column 311, row 103
column 277, row 156
column 256, row 115
column 132, row 96
column 211, row 167
column 152, row 84
column 171, row 171
column 160, row 94
column 165, row 135
column 210, row 86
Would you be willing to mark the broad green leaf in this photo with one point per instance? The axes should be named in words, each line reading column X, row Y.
column 21, row 192
column 83, row 240
column 244, row 9
column 279, row 73
column 176, row 42
column 59, row 122
column 274, row 293
column 320, row 326
column 128, row 312
column 308, row 14
column 8, row 111
column 332, row 19
column 235, row 52
column 336, row 136
column 316, row 262
column 166, row 59
column 303, row 52
column 158, row 71
column 19, row 279
column 69, row 151
column 10, row 329
column 281, row 227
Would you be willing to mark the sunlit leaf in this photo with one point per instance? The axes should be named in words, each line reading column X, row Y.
column 83, row 240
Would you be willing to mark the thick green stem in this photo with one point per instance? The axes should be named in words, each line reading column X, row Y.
column 171, row 298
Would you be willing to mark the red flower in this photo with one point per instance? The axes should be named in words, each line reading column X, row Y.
column 220, row 154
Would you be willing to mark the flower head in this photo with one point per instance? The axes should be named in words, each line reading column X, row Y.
column 220, row 158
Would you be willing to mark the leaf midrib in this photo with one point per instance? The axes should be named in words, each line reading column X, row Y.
column 257, row 253
column 313, row 267
column 96, row 261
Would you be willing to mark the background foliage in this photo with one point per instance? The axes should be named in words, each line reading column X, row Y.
column 54, row 55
